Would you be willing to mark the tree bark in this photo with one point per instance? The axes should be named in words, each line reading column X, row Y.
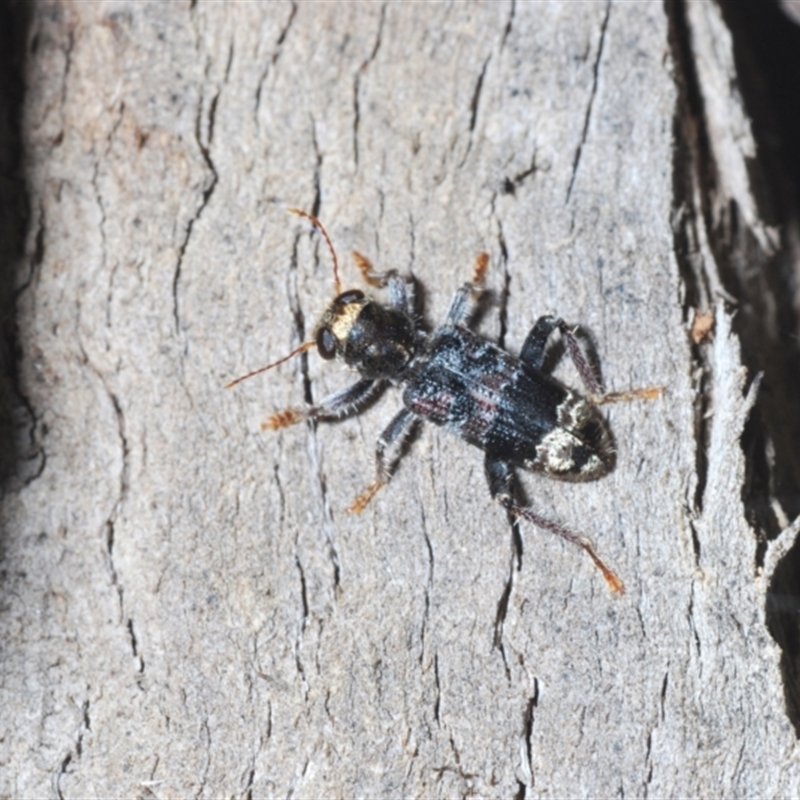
column 187, row 609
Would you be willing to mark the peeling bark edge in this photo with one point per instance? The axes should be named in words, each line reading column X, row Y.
column 720, row 258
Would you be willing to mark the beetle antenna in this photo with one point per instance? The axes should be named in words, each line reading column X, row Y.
column 302, row 349
column 321, row 228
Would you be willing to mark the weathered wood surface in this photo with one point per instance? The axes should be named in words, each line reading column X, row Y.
column 186, row 609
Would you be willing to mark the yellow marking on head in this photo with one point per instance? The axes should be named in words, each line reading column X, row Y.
column 341, row 322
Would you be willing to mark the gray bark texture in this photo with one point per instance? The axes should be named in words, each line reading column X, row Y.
column 186, row 608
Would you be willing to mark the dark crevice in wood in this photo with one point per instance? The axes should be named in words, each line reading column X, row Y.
column 499, row 621
column 510, row 24
column 761, row 283
column 767, row 322
column 211, row 184
column 473, row 109
column 766, row 44
column 528, row 720
column 691, row 164
column 357, row 83
column 588, row 115
column 765, row 48
column 761, row 286
column 273, row 59
column 21, row 453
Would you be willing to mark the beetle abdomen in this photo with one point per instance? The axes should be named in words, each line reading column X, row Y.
column 515, row 413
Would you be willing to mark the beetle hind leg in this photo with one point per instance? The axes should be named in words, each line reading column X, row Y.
column 499, row 475
column 644, row 393
column 533, row 352
column 535, row 346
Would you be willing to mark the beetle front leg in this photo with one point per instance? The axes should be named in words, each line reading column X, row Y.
column 340, row 404
column 401, row 289
column 499, row 475
column 391, row 439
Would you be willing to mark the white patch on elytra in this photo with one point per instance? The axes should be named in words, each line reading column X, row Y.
column 556, row 453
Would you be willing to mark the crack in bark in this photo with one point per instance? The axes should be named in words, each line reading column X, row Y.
column 476, row 96
column 122, row 494
column 134, row 647
column 248, row 787
column 648, row 764
column 207, row 766
column 648, row 756
column 357, row 82
column 62, row 770
column 693, row 628
column 428, row 585
column 333, row 554
column 473, row 108
column 458, row 770
column 500, row 618
column 102, row 227
column 317, row 203
column 595, row 73
column 691, row 152
column 509, row 23
column 298, row 661
column 505, row 293
column 34, row 456
column 528, row 719
column 229, row 64
column 303, row 592
column 274, row 60
column 67, row 64
column 77, row 751
column 123, row 484
column 207, row 192
column 87, row 726
column 437, row 703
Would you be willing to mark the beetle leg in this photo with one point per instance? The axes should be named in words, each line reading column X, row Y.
column 499, row 474
column 533, row 351
column 535, row 344
column 401, row 289
column 465, row 298
column 391, row 439
column 646, row 393
column 340, row 404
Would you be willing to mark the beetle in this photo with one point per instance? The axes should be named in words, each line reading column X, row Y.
column 508, row 406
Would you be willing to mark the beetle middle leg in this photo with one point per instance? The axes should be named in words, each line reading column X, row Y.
column 339, row 404
column 499, row 475
column 391, row 439
column 535, row 345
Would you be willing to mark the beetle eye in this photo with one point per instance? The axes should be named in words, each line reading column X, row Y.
column 351, row 296
column 326, row 344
